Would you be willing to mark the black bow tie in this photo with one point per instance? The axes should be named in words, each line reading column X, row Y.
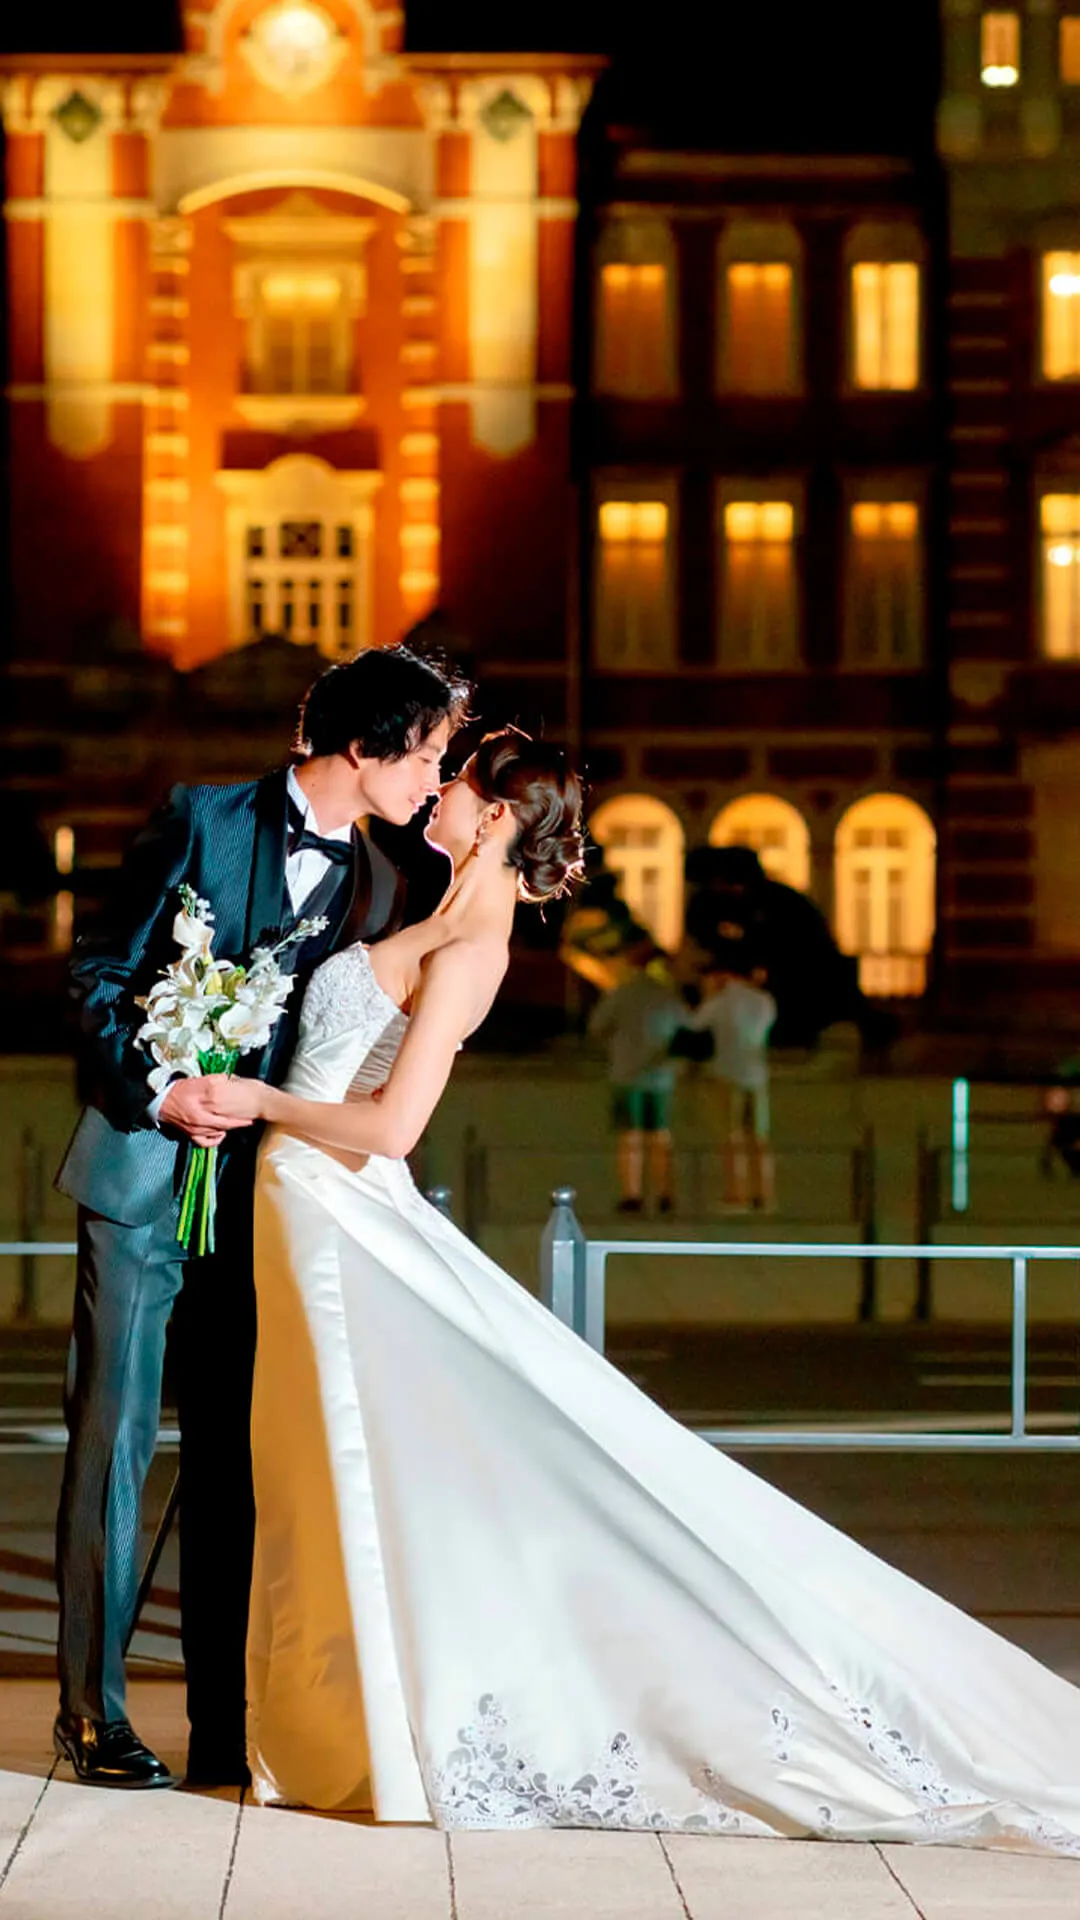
column 301, row 839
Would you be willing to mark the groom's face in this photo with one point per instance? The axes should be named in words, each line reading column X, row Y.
column 394, row 789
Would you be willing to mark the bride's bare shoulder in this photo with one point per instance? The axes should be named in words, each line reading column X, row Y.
column 482, row 957
column 466, row 972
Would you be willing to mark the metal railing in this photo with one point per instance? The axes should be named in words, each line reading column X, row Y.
column 574, row 1281
column 953, row 1182
column 573, row 1271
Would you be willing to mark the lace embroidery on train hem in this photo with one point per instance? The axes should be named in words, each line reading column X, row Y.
column 948, row 1812
column 485, row 1782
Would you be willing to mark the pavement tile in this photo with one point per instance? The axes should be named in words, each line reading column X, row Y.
column 325, row 1867
column 160, row 1856
column 811, row 1879
column 962, row 1883
column 18, row 1794
column 547, row 1874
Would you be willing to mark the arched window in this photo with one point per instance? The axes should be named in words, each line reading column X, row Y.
column 635, row 321
column 774, row 828
column 885, row 858
column 643, row 843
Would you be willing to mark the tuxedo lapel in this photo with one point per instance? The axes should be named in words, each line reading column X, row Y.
column 355, row 904
column 267, row 896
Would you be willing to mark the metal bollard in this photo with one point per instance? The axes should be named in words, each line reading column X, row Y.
column 562, row 1262
column 440, row 1200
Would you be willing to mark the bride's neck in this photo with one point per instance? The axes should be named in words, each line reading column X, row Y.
column 483, row 891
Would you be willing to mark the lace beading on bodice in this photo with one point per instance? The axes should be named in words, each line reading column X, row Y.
column 350, row 1031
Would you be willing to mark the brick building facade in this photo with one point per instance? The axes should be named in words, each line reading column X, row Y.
column 733, row 442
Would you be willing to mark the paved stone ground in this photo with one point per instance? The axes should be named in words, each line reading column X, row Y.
column 66, row 1851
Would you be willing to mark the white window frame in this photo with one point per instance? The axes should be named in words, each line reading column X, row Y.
column 888, row 967
column 633, row 863
column 301, row 489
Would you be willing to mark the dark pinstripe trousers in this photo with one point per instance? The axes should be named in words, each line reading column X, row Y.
column 130, row 1280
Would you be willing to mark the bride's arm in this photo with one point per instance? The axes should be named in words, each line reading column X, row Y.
column 459, row 987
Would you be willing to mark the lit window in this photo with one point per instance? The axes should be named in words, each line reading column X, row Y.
column 643, row 843
column 64, row 849
column 759, row 591
column 297, row 579
column 63, row 902
column 1061, row 316
column 635, row 332
column 885, row 314
column 1000, row 49
column 885, row 862
column 774, row 829
column 301, row 339
column 299, row 538
column 759, row 330
column 634, row 623
column 1069, row 49
column 1060, row 526
column 635, row 350
column 884, row 605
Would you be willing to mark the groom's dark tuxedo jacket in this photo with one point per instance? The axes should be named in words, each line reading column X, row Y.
column 229, row 844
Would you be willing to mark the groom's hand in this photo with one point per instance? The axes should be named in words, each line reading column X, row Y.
column 188, row 1105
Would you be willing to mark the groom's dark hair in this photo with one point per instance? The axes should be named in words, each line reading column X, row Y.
column 386, row 699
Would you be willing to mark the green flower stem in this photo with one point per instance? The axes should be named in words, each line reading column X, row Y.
column 198, row 1203
column 192, row 1189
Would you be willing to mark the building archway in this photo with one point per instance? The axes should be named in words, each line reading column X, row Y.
column 886, row 853
column 774, row 829
column 300, row 179
column 644, row 844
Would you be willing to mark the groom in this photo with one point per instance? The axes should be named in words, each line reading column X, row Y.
column 265, row 855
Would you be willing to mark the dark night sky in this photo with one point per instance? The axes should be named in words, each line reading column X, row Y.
column 839, row 75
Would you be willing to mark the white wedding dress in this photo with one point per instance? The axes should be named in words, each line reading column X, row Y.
column 495, row 1586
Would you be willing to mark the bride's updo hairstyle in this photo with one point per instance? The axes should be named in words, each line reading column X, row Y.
column 544, row 794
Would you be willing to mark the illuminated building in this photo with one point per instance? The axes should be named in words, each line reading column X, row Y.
column 734, row 436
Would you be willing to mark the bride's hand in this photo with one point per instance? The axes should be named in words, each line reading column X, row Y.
column 236, row 1099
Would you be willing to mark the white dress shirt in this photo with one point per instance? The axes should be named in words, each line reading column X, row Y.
column 304, row 870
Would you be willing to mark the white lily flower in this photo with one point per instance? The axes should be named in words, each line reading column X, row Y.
column 192, row 933
column 244, row 1026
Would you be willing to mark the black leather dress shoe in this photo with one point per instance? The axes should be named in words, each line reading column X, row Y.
column 108, row 1753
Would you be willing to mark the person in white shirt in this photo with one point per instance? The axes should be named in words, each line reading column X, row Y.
column 738, row 1012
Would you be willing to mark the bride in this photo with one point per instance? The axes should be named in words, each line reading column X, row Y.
column 495, row 1586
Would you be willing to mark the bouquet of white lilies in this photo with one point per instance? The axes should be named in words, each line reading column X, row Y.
column 200, row 1017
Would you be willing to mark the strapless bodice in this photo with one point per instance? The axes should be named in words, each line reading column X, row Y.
column 350, row 1031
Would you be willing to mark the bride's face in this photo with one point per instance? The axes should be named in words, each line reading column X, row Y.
column 456, row 816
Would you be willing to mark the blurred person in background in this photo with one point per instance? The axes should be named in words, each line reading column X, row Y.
column 738, row 1013
column 637, row 1020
